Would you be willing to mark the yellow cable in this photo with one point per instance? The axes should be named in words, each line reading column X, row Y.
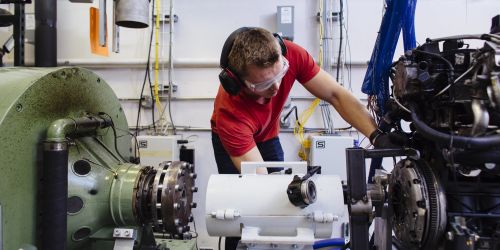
column 298, row 130
column 156, row 87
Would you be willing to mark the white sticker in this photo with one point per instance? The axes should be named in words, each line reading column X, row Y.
column 286, row 14
column 30, row 21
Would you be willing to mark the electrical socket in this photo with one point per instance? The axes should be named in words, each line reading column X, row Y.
column 164, row 88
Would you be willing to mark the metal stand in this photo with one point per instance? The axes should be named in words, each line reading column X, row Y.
column 19, row 31
column 360, row 203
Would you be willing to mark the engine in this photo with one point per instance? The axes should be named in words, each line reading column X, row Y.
column 449, row 93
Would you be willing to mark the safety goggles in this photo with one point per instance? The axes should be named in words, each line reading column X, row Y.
column 262, row 86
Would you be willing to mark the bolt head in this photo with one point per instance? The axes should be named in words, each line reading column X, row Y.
column 450, row 236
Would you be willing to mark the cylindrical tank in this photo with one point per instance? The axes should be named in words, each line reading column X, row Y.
column 234, row 202
column 104, row 190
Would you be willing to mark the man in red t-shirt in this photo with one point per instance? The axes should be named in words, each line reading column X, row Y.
column 259, row 70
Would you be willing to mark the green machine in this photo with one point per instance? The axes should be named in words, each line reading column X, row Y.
column 66, row 180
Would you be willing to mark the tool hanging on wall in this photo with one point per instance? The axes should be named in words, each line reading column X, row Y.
column 126, row 13
column 95, row 28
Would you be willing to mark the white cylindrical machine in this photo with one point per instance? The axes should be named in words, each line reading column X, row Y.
column 257, row 208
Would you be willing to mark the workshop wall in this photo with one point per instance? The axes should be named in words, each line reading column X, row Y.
column 199, row 34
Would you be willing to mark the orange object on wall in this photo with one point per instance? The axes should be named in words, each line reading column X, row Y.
column 95, row 48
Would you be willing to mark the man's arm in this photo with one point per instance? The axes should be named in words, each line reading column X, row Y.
column 252, row 155
column 349, row 107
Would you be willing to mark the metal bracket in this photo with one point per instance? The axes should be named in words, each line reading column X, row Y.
column 124, row 238
column 102, row 23
column 359, row 203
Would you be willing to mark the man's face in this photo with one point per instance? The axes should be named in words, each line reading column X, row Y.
column 265, row 82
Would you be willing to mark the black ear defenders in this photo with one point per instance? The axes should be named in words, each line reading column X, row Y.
column 230, row 81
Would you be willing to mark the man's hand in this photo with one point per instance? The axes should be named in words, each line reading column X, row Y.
column 380, row 139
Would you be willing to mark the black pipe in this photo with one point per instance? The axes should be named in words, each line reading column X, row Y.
column 46, row 33
column 481, row 157
column 54, row 195
column 452, row 140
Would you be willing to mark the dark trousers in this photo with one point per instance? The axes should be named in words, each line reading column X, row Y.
column 270, row 150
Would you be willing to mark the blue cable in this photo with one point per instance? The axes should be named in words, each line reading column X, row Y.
column 399, row 16
column 336, row 242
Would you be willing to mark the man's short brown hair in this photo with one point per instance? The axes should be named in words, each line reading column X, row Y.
column 255, row 46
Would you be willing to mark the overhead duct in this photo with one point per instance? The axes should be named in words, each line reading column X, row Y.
column 132, row 13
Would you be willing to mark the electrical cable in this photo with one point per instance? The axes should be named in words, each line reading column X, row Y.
column 143, row 86
column 476, row 63
column 137, row 153
column 157, row 59
column 153, row 104
column 220, row 238
column 294, row 108
column 340, row 40
column 114, row 133
column 171, row 66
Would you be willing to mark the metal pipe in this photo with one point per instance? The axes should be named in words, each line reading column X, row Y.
column 178, row 63
column 46, row 33
column 54, row 188
column 209, row 98
column 59, row 129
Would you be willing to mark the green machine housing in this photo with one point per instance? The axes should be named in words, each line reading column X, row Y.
column 65, row 177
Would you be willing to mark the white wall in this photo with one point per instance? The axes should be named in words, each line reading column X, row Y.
column 198, row 37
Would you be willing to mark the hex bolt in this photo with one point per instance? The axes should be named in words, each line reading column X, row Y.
column 127, row 233
column 117, row 232
column 194, row 189
column 193, row 175
column 177, row 206
column 194, row 205
column 177, row 187
column 180, row 173
column 177, row 222
column 191, row 218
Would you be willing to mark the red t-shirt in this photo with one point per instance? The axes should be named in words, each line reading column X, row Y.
column 240, row 121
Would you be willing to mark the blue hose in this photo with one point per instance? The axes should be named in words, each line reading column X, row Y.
column 336, row 242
